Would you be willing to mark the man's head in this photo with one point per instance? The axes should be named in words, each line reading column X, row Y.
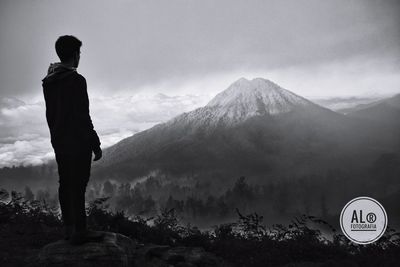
column 68, row 49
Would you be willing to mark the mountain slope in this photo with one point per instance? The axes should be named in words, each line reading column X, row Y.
column 386, row 111
column 253, row 127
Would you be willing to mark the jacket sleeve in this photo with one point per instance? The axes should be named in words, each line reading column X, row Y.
column 82, row 115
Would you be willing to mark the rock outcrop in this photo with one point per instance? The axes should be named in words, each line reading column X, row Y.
column 114, row 250
column 118, row 250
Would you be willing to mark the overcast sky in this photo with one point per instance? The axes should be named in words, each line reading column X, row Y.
column 149, row 60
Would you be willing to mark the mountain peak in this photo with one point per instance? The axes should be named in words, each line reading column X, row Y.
column 258, row 96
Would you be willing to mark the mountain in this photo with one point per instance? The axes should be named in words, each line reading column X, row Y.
column 345, row 104
column 254, row 127
column 386, row 111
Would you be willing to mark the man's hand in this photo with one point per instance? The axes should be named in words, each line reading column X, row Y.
column 97, row 154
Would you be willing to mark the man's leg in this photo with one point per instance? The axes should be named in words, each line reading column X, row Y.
column 74, row 173
column 82, row 164
column 65, row 167
column 81, row 179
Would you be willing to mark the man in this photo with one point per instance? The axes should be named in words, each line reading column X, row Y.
column 72, row 136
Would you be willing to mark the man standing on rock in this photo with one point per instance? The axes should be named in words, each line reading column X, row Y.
column 72, row 136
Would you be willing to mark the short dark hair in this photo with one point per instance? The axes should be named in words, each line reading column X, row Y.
column 66, row 46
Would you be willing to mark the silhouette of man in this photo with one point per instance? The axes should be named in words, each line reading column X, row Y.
column 72, row 136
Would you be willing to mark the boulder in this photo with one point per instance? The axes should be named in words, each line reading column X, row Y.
column 114, row 250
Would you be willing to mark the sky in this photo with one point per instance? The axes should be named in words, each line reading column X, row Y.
column 147, row 61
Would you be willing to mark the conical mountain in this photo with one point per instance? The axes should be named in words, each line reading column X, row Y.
column 252, row 127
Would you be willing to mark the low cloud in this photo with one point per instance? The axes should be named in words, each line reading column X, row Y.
column 26, row 152
column 25, row 139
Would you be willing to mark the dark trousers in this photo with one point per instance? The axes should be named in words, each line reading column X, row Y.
column 74, row 173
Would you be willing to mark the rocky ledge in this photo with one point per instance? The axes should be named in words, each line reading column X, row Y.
column 114, row 250
column 118, row 250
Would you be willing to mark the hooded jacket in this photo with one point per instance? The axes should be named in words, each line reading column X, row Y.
column 67, row 111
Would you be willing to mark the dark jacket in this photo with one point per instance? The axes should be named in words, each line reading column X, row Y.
column 67, row 111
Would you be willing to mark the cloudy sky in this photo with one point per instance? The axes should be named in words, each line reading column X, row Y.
column 147, row 61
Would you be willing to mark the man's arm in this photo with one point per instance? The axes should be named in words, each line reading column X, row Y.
column 84, row 122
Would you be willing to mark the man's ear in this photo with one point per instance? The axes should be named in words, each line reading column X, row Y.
column 76, row 58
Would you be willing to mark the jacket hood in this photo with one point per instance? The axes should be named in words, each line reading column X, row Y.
column 58, row 71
